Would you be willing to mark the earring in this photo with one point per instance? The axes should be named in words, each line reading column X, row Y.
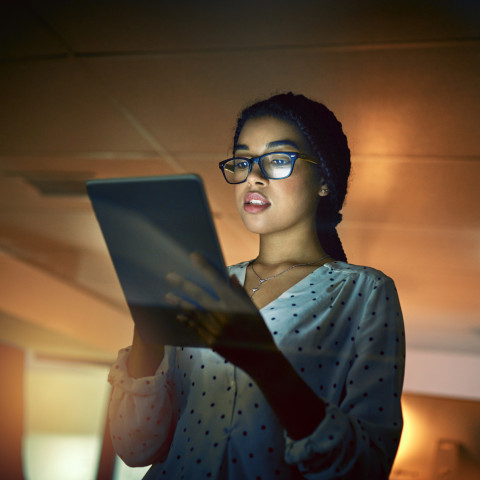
column 324, row 190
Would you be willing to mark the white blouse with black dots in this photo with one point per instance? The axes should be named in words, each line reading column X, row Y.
column 199, row 417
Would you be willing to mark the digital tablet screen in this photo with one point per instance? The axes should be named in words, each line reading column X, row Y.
column 150, row 226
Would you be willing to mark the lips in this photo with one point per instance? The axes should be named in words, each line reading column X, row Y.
column 255, row 202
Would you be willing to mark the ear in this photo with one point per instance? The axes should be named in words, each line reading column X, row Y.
column 323, row 191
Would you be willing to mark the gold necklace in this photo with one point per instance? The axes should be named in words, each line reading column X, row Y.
column 263, row 280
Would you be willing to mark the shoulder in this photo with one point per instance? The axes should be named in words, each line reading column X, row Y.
column 358, row 272
column 361, row 281
column 238, row 268
column 239, row 265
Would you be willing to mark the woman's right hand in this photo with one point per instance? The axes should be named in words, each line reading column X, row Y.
column 223, row 317
column 144, row 358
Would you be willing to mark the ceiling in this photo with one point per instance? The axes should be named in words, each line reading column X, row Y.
column 92, row 89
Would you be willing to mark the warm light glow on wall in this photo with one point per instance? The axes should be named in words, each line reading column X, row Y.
column 373, row 181
column 411, row 440
column 65, row 408
column 383, row 126
column 416, row 448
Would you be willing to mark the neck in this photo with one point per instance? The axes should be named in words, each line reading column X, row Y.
column 285, row 249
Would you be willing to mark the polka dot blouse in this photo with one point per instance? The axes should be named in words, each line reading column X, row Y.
column 201, row 417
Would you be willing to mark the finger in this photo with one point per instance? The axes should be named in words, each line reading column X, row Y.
column 230, row 294
column 172, row 299
column 221, row 286
column 180, row 302
column 188, row 321
column 211, row 324
column 210, row 272
column 181, row 283
column 190, row 290
column 173, row 279
column 201, row 320
column 205, row 334
column 184, row 319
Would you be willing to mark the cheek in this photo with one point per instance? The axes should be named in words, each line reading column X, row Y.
column 303, row 193
column 238, row 195
column 304, row 188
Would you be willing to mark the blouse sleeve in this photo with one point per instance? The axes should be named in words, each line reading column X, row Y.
column 359, row 437
column 141, row 414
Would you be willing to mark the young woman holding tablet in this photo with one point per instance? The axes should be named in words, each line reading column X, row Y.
column 307, row 382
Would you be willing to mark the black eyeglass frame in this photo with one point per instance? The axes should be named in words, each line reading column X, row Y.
column 294, row 156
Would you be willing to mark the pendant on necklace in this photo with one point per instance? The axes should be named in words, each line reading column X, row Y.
column 254, row 290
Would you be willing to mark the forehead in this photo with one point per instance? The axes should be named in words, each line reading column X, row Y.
column 258, row 132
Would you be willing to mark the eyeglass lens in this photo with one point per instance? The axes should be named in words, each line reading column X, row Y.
column 274, row 165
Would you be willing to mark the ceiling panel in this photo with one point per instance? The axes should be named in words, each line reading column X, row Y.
column 154, row 25
column 421, row 192
column 53, row 106
column 390, row 108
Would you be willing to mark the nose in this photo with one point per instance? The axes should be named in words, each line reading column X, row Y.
column 255, row 177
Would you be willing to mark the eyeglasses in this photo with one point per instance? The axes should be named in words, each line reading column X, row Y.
column 274, row 166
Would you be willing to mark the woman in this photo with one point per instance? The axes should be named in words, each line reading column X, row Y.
column 307, row 383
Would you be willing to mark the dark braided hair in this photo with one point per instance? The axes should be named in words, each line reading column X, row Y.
column 329, row 145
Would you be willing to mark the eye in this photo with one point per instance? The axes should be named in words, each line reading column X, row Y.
column 279, row 160
column 241, row 164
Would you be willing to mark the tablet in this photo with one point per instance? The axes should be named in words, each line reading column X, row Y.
column 150, row 226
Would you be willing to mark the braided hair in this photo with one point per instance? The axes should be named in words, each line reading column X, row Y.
column 329, row 145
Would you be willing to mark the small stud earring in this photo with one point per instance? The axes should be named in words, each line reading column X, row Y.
column 324, row 190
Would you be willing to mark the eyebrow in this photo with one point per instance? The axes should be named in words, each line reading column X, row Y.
column 276, row 143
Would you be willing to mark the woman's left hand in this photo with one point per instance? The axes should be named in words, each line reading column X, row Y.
column 225, row 319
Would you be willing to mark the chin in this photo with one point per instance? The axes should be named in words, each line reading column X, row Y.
column 251, row 224
column 256, row 226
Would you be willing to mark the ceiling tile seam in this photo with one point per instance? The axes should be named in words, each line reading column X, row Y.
column 346, row 222
column 408, row 227
column 127, row 156
column 82, row 206
column 35, row 58
column 418, row 159
column 339, row 48
column 83, row 155
column 346, row 47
